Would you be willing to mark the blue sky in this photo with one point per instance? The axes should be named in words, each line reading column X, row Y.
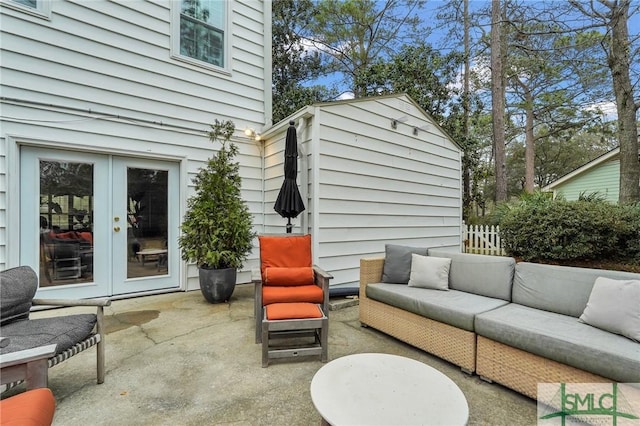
column 439, row 39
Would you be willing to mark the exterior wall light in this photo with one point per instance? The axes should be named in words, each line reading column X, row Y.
column 251, row 133
column 394, row 123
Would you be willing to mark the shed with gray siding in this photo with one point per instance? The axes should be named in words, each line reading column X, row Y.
column 366, row 183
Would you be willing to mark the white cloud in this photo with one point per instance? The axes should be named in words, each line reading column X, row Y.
column 607, row 109
column 480, row 75
column 345, row 95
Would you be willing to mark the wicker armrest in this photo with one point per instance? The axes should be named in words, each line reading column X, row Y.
column 370, row 272
column 72, row 302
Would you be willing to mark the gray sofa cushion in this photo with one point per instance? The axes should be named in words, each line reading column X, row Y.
column 564, row 339
column 397, row 262
column 489, row 276
column 561, row 289
column 451, row 307
column 63, row 331
column 18, row 286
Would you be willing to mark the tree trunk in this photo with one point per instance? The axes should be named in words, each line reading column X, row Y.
column 627, row 127
column 529, row 149
column 466, row 172
column 497, row 102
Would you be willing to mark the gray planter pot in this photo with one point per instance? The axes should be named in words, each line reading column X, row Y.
column 217, row 285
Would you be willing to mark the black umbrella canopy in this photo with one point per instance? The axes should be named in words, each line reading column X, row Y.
column 289, row 202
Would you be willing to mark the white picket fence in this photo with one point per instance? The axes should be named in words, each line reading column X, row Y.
column 480, row 239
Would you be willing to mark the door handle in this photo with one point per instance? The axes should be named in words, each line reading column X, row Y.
column 116, row 228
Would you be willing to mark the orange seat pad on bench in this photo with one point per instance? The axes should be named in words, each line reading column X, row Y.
column 31, row 408
column 287, row 311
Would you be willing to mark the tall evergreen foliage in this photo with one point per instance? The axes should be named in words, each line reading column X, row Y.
column 294, row 64
column 217, row 230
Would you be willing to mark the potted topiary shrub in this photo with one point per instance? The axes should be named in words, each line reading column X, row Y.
column 217, row 230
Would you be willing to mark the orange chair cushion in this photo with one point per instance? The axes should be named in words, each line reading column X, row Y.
column 31, row 408
column 289, row 294
column 70, row 235
column 286, row 311
column 284, row 252
column 288, row 276
column 87, row 236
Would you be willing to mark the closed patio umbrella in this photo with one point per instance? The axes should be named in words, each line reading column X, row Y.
column 289, row 202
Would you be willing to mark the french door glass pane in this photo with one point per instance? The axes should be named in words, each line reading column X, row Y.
column 147, row 222
column 66, row 223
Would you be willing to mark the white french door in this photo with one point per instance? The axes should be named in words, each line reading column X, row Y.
column 96, row 225
column 145, row 222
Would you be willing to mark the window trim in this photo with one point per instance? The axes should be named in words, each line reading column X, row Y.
column 176, row 7
column 42, row 10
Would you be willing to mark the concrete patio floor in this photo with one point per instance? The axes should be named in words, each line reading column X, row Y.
column 174, row 359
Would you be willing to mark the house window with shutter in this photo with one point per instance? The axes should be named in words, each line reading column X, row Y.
column 202, row 31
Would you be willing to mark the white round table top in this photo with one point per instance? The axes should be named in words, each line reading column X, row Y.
column 382, row 389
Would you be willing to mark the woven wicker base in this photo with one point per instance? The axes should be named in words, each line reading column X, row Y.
column 450, row 343
column 522, row 371
column 447, row 342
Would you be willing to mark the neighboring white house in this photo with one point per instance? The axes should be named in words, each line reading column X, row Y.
column 104, row 111
column 373, row 171
column 120, row 94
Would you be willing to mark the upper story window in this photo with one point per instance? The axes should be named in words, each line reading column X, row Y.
column 39, row 8
column 202, row 30
column 29, row 3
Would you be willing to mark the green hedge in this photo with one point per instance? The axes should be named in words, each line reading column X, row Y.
column 538, row 228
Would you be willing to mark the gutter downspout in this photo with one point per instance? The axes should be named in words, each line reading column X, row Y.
column 268, row 63
column 268, row 95
column 304, row 175
column 315, row 183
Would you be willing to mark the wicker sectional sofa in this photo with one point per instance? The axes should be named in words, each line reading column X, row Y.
column 515, row 324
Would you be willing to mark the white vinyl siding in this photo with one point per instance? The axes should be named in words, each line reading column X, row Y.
column 380, row 185
column 37, row 8
column 90, row 54
column 3, row 204
column 365, row 184
column 99, row 76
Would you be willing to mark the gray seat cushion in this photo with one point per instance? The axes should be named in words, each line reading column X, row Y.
column 451, row 307
column 564, row 339
column 63, row 331
column 18, row 286
column 561, row 289
column 490, row 276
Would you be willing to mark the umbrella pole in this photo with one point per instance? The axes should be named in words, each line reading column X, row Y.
column 289, row 225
